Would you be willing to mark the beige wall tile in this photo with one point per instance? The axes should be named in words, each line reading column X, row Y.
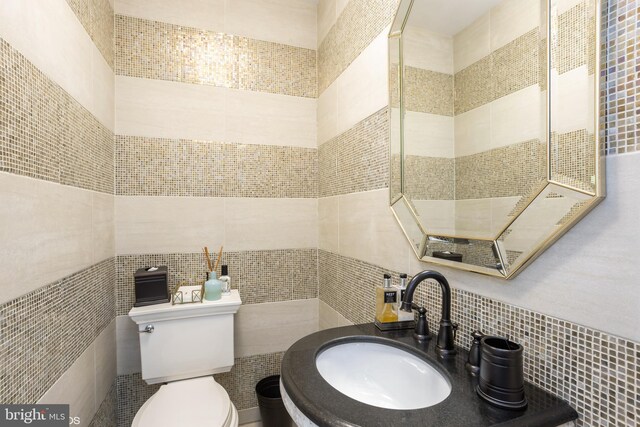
column 168, row 224
column 340, row 5
column 271, row 327
column 105, row 361
column 363, row 87
column 472, row 44
column 329, row 318
column 50, row 233
column 516, row 117
column 326, row 13
column 164, row 109
column 256, row 224
column 103, row 225
column 205, row 14
column 128, row 346
column 287, row 22
column 265, row 118
column 513, row 18
column 500, row 209
column 437, row 216
column 76, row 387
column 369, row 231
column 429, row 135
column 572, row 101
column 428, row 51
column 473, row 131
column 329, row 223
column 327, row 114
column 473, row 218
column 104, row 90
column 50, row 36
column 291, row 22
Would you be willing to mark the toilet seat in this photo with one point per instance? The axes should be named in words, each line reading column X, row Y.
column 197, row 402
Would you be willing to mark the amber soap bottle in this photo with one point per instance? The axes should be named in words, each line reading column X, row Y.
column 386, row 302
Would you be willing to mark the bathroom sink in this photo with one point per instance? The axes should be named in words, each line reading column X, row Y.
column 382, row 375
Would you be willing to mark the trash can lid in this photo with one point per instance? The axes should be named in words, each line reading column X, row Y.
column 197, row 402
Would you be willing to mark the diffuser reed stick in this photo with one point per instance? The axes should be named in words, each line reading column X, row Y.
column 219, row 258
column 206, row 255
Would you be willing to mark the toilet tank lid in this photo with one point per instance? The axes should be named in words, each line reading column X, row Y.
column 197, row 402
column 228, row 304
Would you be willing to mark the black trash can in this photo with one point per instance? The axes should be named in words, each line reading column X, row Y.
column 272, row 410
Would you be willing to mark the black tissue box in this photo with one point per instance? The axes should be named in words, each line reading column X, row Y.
column 152, row 286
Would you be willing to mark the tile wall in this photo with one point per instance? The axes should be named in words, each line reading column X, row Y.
column 216, row 145
column 587, row 358
column 57, row 321
column 311, row 204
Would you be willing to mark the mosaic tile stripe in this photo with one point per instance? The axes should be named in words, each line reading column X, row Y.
column 51, row 327
column 239, row 383
column 572, row 159
column 428, row 91
column 429, row 178
column 574, row 39
column 45, row 133
column 356, row 160
column 507, row 70
column 514, row 170
column 97, row 18
column 157, row 50
column 620, row 94
column 356, row 27
column 179, row 167
column 260, row 276
column 595, row 372
column 107, row 413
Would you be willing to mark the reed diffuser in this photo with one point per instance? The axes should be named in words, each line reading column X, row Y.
column 213, row 286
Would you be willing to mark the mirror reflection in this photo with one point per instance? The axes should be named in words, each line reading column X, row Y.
column 478, row 137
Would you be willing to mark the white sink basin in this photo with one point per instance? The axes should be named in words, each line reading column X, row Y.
column 382, row 375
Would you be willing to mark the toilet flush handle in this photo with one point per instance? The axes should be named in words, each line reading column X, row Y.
column 147, row 330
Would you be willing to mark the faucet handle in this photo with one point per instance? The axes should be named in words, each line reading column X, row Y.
column 421, row 333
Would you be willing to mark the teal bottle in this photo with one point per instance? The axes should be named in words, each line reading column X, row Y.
column 213, row 287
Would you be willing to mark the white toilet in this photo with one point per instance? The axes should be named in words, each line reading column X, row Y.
column 182, row 346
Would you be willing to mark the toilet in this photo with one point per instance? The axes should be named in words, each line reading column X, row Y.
column 181, row 346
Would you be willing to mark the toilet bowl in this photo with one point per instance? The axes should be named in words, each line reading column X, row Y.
column 196, row 402
column 182, row 346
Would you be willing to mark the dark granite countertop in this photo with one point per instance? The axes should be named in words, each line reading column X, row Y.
column 326, row 406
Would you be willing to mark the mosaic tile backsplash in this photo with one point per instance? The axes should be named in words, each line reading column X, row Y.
column 157, row 50
column 240, row 383
column 597, row 373
column 96, row 16
column 356, row 160
column 45, row 133
column 621, row 92
column 38, row 330
column 178, row 167
column 260, row 276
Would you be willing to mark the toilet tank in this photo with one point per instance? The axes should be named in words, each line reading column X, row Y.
column 186, row 340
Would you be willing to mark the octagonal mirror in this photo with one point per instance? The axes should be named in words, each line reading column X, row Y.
column 494, row 114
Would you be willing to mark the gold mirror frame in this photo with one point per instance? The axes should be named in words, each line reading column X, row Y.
column 581, row 200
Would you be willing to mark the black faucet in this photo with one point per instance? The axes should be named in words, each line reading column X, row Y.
column 447, row 331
